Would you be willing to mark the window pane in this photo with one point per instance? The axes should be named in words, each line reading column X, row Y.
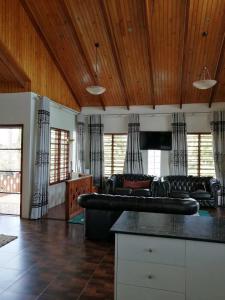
column 200, row 155
column 154, row 162
column 114, row 153
column 59, row 155
column 10, row 160
column 10, row 138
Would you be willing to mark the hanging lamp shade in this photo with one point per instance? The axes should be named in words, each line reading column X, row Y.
column 96, row 89
column 205, row 81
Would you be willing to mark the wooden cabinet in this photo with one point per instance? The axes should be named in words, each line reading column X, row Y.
column 74, row 188
column 157, row 268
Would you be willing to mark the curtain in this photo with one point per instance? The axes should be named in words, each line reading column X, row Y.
column 80, row 144
column 178, row 155
column 133, row 159
column 218, row 133
column 39, row 203
column 96, row 133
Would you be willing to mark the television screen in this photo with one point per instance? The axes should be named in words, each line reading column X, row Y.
column 156, row 140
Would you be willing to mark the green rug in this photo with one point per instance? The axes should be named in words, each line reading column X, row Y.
column 203, row 213
column 78, row 219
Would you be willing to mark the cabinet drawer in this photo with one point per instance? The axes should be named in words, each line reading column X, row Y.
column 151, row 249
column 155, row 276
column 127, row 292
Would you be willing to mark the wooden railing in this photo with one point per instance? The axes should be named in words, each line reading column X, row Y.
column 10, row 182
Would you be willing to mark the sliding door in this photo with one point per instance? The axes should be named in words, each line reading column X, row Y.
column 10, row 169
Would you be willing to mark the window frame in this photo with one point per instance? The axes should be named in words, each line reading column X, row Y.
column 199, row 150
column 59, row 156
column 112, row 150
column 160, row 162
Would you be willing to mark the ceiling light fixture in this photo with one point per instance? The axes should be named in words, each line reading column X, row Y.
column 96, row 89
column 205, row 81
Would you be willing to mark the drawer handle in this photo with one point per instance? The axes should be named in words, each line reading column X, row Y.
column 150, row 276
column 150, row 250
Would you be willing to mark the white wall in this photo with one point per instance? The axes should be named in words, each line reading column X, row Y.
column 62, row 118
column 19, row 108
column 197, row 119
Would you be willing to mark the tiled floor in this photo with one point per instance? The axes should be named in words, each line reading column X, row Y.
column 51, row 260
column 57, row 212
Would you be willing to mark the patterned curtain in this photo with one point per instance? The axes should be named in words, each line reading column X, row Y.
column 96, row 132
column 133, row 160
column 80, row 144
column 218, row 132
column 178, row 155
column 39, row 206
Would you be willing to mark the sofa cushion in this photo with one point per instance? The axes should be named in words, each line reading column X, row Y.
column 201, row 195
column 139, row 184
column 141, row 192
column 123, row 191
column 179, row 194
column 118, row 179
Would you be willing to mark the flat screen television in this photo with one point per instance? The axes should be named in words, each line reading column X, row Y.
column 156, row 140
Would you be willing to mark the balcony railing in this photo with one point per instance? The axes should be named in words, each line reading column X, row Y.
column 10, row 182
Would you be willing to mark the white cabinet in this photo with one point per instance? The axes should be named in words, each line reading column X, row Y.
column 151, row 249
column 153, row 268
column 205, row 263
column 140, row 293
column 155, row 276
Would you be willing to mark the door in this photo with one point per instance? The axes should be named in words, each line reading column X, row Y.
column 10, row 169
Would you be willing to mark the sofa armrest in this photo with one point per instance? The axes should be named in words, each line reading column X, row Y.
column 109, row 186
column 215, row 186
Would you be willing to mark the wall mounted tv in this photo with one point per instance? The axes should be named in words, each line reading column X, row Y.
column 156, row 140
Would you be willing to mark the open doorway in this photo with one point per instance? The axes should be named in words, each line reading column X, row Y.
column 10, row 169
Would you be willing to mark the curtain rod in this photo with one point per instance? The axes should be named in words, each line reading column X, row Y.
column 149, row 114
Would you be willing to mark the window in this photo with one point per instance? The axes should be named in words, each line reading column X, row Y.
column 59, row 155
column 154, row 162
column 114, row 153
column 200, row 154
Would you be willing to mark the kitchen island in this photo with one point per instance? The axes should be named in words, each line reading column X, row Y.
column 169, row 257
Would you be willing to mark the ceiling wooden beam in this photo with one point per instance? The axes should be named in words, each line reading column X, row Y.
column 49, row 49
column 14, row 68
column 148, row 24
column 78, row 41
column 115, row 51
column 219, row 67
column 183, row 49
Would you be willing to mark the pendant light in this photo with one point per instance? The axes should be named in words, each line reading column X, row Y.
column 205, row 81
column 96, row 89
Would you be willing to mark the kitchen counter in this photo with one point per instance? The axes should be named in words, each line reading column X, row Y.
column 196, row 228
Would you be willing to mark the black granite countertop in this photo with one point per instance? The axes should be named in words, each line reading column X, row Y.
column 208, row 229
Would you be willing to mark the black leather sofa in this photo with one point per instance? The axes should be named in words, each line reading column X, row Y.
column 115, row 185
column 203, row 189
column 101, row 211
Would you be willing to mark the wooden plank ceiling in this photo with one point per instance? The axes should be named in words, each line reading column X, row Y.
column 11, row 73
column 150, row 51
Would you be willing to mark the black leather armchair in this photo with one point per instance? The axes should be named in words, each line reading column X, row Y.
column 114, row 185
column 101, row 211
column 203, row 189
